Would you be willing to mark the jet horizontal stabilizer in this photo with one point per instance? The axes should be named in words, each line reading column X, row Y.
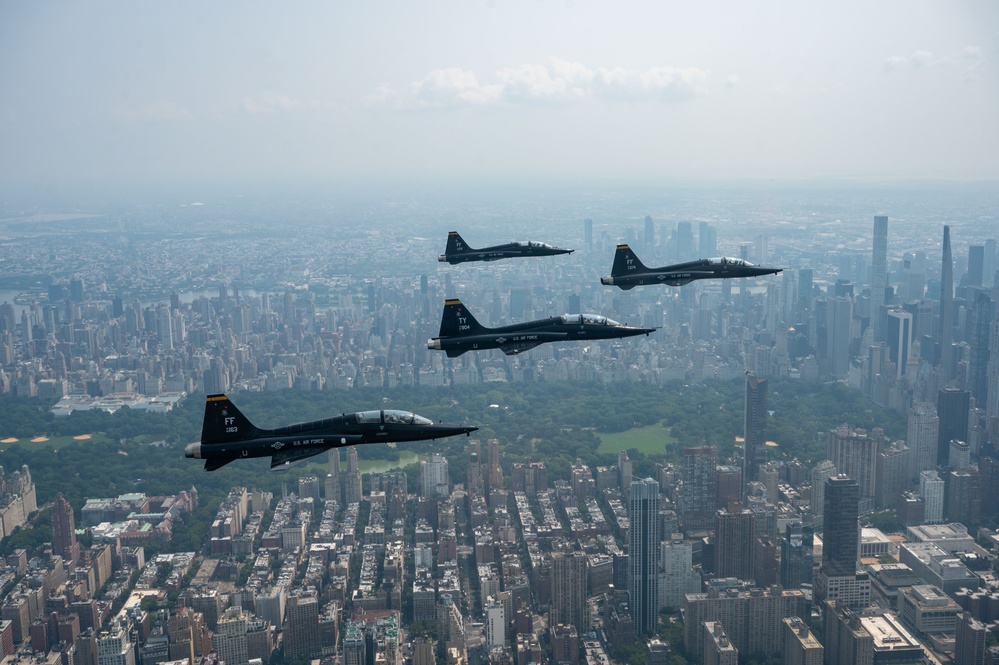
column 214, row 463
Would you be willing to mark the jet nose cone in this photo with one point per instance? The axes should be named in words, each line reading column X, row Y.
column 192, row 450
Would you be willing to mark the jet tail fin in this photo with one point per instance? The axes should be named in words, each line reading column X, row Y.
column 457, row 321
column 456, row 244
column 625, row 261
column 224, row 423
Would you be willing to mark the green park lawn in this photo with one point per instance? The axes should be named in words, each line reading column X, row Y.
column 52, row 442
column 651, row 440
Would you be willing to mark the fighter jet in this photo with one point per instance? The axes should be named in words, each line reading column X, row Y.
column 458, row 251
column 228, row 435
column 460, row 332
column 628, row 271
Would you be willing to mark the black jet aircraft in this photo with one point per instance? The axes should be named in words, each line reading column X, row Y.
column 460, row 332
column 228, row 435
column 458, row 251
column 628, row 271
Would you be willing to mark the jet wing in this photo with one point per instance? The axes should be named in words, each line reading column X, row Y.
column 284, row 459
column 681, row 277
column 519, row 347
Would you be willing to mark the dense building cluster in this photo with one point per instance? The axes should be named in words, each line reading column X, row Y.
column 749, row 553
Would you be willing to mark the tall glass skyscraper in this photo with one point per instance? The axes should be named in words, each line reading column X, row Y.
column 643, row 555
column 879, row 277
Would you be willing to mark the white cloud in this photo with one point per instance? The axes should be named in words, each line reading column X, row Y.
column 558, row 82
column 918, row 59
column 158, row 111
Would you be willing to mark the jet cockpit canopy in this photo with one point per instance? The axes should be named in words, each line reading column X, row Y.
column 392, row 416
column 533, row 243
column 590, row 319
column 729, row 261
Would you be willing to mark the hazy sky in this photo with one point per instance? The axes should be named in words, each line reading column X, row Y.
column 105, row 93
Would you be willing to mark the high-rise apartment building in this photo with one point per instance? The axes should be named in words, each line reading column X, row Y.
column 855, row 454
column 434, row 477
column 698, row 494
column 754, row 429
column 114, row 646
column 735, row 529
column 801, row 646
column 678, row 575
column 643, row 555
column 923, row 438
column 230, row 638
column 931, row 489
column 969, row 640
column 569, row 580
column 352, row 492
column 302, row 637
column 64, row 532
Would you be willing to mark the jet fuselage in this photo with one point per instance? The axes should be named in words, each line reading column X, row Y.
column 227, row 435
column 629, row 272
column 458, row 251
column 461, row 333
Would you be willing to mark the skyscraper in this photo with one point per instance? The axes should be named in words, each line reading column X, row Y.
column 855, row 454
column 841, row 533
column 707, row 240
column 980, row 317
column 649, row 238
column 588, row 233
column 992, row 374
column 63, row 532
column 685, row 241
column 643, row 555
column 924, row 433
column 302, row 638
column 953, row 407
column 434, row 477
column 879, row 277
column 839, row 321
column 569, row 578
column 796, row 556
column 698, row 494
column 754, row 429
column 946, row 336
column 931, row 489
column 898, row 334
column 736, row 535
column 838, row 578
column 976, row 265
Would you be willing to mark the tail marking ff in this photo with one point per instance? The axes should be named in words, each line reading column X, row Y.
column 625, row 262
column 224, row 423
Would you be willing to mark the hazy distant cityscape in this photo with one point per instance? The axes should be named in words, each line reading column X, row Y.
column 890, row 290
